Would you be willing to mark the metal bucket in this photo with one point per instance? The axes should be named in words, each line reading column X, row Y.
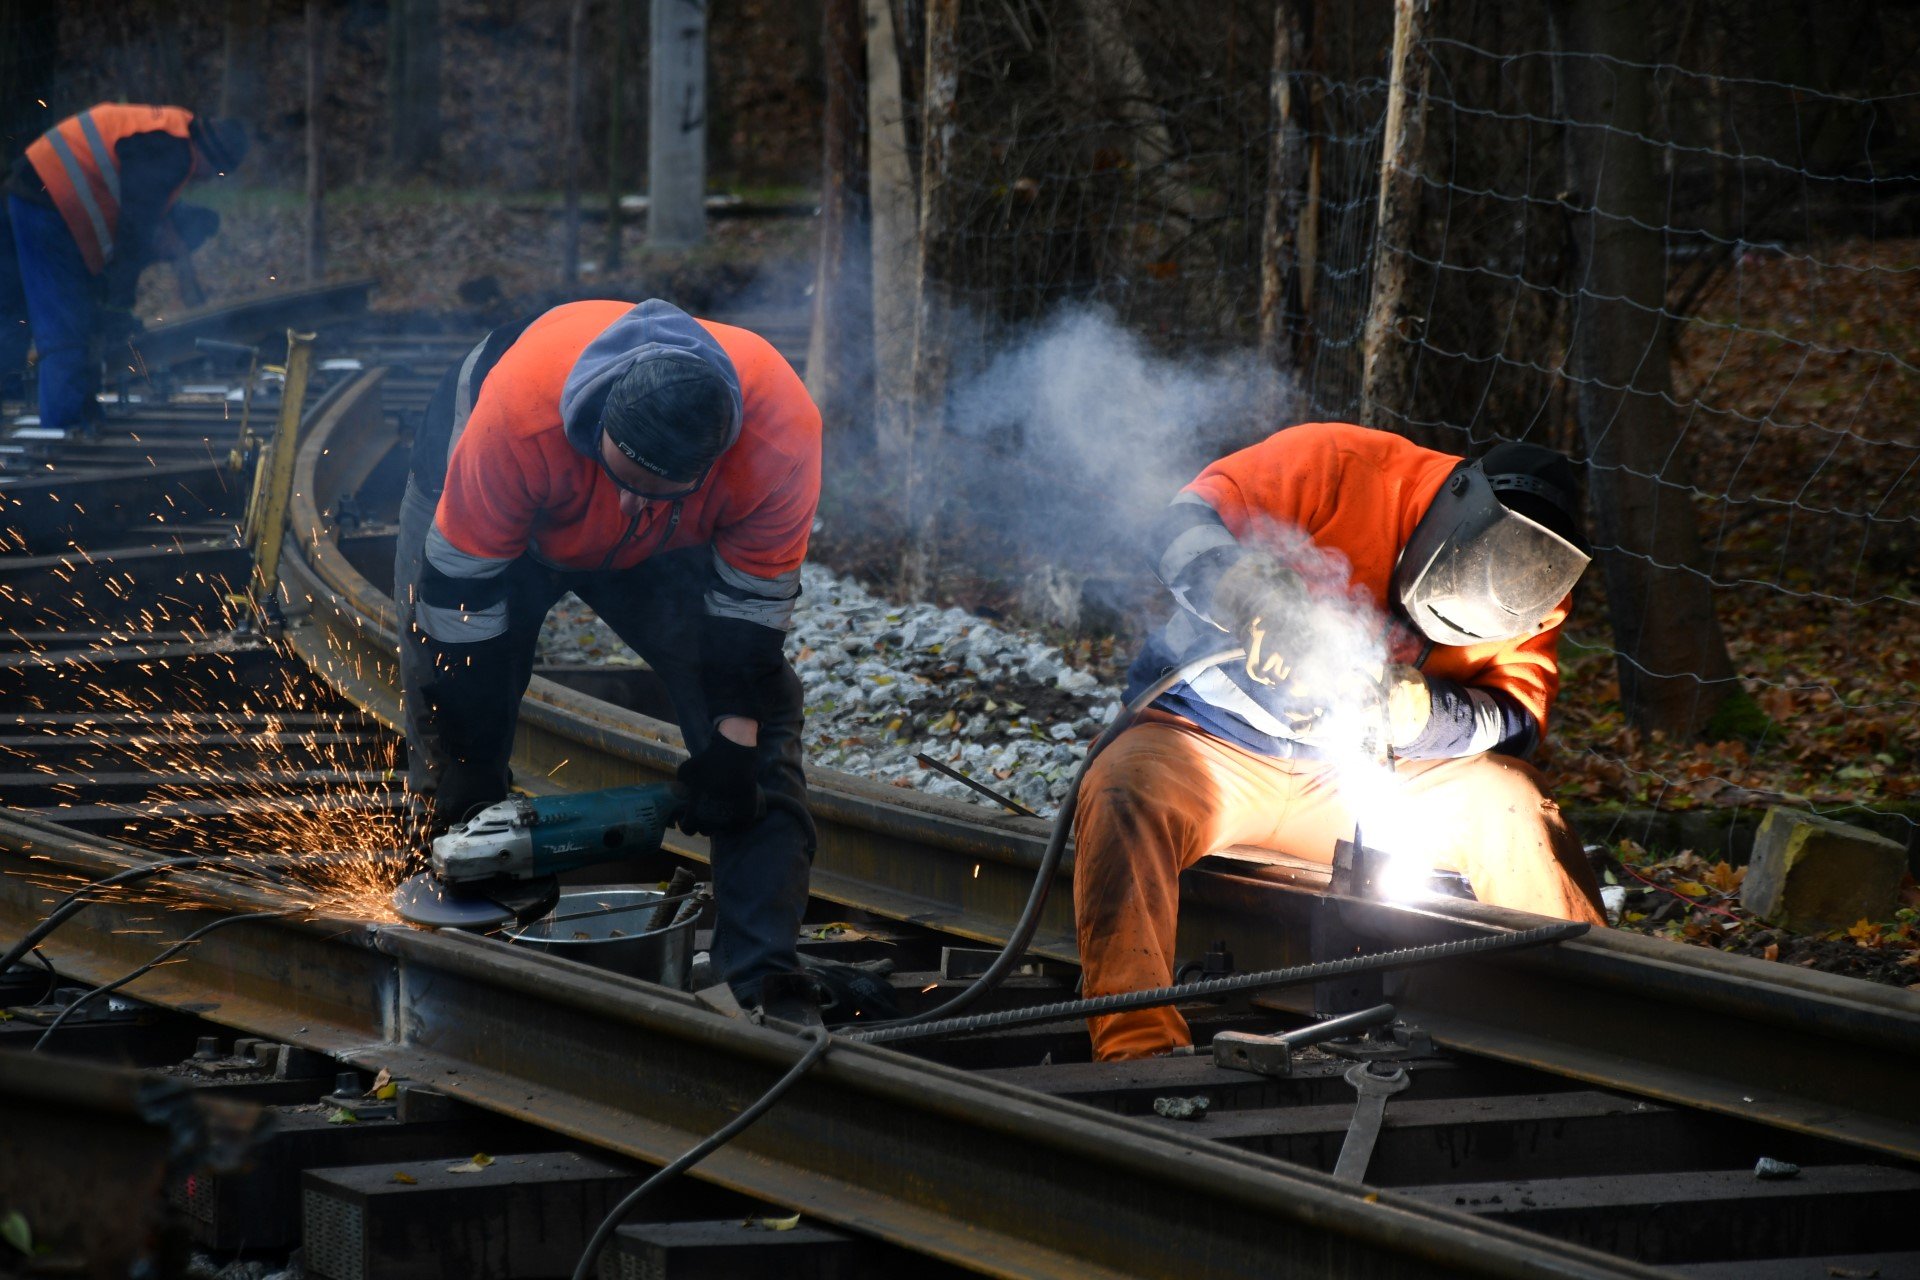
column 614, row 939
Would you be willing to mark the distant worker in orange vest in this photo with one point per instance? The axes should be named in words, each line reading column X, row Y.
column 91, row 204
column 1330, row 552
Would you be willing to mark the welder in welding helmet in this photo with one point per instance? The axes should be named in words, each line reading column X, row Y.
column 1499, row 547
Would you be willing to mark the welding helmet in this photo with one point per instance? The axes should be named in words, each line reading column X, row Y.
column 1499, row 547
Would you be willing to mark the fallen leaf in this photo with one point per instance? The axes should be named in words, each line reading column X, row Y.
column 480, row 1161
column 340, row 1115
column 772, row 1224
column 1772, row 952
column 1724, row 876
column 15, row 1231
column 1692, row 888
column 384, row 1087
column 404, row 1179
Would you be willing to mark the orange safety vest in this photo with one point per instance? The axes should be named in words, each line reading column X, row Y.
column 77, row 162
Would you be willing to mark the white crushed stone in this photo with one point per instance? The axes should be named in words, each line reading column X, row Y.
column 885, row 681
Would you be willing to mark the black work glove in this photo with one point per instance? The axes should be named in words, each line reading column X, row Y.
column 458, row 794
column 723, row 789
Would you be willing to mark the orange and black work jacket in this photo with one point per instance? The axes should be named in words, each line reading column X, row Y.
column 523, row 478
column 112, row 171
column 1356, row 493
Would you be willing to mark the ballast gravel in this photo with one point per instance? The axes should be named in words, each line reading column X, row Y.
column 887, row 681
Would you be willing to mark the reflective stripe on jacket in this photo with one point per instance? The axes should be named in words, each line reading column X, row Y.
column 516, row 484
column 76, row 160
column 1357, row 492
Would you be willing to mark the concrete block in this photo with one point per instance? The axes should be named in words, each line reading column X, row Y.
column 1811, row 873
column 732, row 1250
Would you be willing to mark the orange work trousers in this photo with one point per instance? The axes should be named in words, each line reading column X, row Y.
column 1166, row 794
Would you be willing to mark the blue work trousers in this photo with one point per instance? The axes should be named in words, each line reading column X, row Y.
column 60, row 306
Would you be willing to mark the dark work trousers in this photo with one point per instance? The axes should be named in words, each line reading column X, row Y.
column 59, row 293
column 760, row 874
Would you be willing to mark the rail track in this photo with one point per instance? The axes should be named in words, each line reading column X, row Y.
column 1596, row 1108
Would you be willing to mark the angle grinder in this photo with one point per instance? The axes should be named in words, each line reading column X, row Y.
column 503, row 864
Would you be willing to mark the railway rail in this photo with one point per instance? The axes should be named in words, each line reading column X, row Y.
column 1596, row 1108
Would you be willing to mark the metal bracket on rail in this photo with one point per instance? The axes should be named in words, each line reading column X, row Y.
column 266, row 526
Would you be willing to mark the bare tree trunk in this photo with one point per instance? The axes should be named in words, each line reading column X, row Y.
column 840, row 347
column 1673, row 663
column 413, row 85
column 933, row 321
column 616, row 111
column 1281, row 315
column 316, row 226
column 677, row 124
column 1393, row 333
column 1150, row 140
column 241, row 48
column 576, row 30
column 895, row 216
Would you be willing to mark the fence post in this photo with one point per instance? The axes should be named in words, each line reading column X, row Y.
column 1281, row 316
column 1387, row 345
column 933, row 319
column 576, row 28
column 616, row 108
column 890, row 185
column 677, row 124
column 840, row 346
column 316, row 229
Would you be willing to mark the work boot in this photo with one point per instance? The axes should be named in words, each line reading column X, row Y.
column 792, row 998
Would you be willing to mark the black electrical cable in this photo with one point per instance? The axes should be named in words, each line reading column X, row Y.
column 1299, row 975
column 71, row 905
column 713, row 1142
column 173, row 950
column 1023, row 929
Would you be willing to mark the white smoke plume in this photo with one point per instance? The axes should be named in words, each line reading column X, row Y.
column 1100, row 429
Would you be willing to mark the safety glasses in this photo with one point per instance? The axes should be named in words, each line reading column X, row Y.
column 656, row 495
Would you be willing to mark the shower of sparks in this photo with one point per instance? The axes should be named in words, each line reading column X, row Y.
column 299, row 790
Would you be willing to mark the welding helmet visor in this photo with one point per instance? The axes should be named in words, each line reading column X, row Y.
column 1476, row 571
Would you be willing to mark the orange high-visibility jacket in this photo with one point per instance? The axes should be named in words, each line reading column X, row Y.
column 1358, row 492
column 77, row 162
column 517, row 485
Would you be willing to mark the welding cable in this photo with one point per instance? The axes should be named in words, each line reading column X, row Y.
column 166, row 955
column 1023, row 929
column 711, row 1143
column 1299, row 975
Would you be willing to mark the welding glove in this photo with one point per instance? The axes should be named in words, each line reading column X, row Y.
column 723, row 788
column 1409, row 704
column 1256, row 599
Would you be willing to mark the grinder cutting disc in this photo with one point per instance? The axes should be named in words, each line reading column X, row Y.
column 481, row 905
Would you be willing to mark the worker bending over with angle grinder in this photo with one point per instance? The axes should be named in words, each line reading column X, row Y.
column 89, row 207
column 1466, row 568
column 665, row 470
